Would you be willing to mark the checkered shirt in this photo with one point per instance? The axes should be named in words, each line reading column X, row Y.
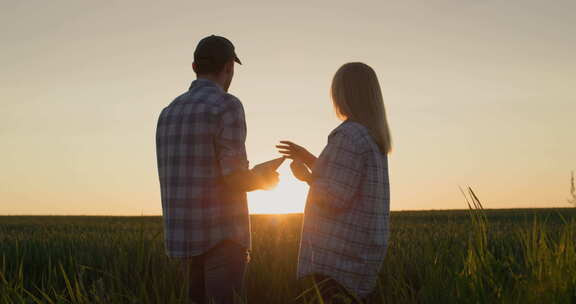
column 200, row 137
column 345, row 230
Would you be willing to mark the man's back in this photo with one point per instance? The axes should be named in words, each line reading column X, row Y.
column 200, row 138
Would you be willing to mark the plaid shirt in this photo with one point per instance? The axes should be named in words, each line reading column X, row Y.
column 345, row 230
column 200, row 138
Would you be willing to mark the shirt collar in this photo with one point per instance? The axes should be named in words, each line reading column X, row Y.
column 203, row 82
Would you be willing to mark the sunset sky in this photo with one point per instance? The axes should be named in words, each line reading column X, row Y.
column 479, row 93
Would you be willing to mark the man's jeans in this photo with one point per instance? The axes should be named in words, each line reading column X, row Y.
column 217, row 276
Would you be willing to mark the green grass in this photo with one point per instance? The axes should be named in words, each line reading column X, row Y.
column 467, row 256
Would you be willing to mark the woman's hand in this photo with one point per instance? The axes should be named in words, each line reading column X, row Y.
column 295, row 152
column 301, row 171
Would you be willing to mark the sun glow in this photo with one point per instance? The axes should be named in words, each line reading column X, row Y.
column 288, row 197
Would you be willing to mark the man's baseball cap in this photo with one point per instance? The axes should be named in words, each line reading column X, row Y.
column 214, row 50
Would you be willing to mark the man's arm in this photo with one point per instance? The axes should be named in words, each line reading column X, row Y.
column 231, row 150
column 240, row 181
column 250, row 180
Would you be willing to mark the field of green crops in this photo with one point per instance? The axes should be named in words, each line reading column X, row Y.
column 468, row 256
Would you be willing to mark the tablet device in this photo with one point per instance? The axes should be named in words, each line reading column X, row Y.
column 271, row 164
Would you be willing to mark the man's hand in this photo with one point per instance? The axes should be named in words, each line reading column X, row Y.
column 301, row 171
column 250, row 180
column 295, row 152
column 265, row 178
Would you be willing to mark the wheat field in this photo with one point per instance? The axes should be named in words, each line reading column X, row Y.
column 466, row 256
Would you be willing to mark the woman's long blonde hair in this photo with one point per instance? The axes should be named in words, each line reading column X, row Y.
column 357, row 96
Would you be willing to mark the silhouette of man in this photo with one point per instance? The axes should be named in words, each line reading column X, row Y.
column 204, row 177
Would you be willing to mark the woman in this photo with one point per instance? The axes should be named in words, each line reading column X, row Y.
column 345, row 230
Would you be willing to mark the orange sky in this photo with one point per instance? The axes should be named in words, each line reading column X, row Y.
column 478, row 93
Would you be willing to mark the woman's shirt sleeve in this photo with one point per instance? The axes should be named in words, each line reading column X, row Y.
column 337, row 175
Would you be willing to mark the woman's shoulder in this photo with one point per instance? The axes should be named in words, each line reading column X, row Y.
column 349, row 127
column 352, row 132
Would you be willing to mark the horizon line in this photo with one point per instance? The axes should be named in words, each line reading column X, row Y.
column 288, row 213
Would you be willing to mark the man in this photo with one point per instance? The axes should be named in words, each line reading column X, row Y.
column 204, row 177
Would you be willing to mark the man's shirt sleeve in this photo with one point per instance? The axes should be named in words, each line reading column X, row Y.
column 231, row 137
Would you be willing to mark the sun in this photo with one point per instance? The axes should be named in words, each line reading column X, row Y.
column 288, row 197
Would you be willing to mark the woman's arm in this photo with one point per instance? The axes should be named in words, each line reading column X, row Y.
column 301, row 171
column 296, row 152
column 338, row 173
